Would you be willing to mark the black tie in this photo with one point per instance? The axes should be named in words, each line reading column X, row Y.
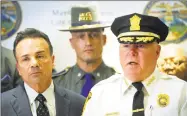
column 138, row 104
column 42, row 109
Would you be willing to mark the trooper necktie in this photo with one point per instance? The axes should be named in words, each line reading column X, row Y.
column 42, row 109
column 138, row 101
column 87, row 85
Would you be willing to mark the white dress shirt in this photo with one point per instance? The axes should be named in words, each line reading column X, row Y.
column 48, row 94
column 164, row 95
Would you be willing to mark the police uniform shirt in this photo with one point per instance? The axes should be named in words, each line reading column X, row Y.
column 72, row 78
column 164, row 95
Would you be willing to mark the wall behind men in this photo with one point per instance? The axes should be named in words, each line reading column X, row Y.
column 48, row 16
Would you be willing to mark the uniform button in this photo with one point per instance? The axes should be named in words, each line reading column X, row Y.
column 98, row 74
column 79, row 74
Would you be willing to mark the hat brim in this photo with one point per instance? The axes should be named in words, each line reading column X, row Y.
column 84, row 27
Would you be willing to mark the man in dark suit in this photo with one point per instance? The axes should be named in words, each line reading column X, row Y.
column 38, row 95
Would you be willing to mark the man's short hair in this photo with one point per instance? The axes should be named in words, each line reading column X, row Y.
column 31, row 33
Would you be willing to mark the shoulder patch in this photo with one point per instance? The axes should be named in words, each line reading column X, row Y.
column 63, row 72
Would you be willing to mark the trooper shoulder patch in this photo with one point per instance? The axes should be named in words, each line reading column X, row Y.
column 63, row 72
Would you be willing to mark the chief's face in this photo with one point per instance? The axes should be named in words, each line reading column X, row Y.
column 138, row 60
column 174, row 66
column 88, row 45
column 34, row 62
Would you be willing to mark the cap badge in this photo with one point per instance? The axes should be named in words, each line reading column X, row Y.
column 163, row 100
column 85, row 16
column 135, row 23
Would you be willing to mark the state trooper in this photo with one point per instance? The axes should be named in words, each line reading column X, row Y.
column 141, row 90
column 87, row 40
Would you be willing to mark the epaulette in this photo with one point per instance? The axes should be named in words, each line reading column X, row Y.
column 63, row 72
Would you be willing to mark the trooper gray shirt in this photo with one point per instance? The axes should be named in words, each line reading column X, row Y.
column 72, row 78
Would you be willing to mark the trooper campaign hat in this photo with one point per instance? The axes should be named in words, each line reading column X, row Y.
column 84, row 17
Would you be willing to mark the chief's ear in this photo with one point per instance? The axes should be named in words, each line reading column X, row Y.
column 158, row 50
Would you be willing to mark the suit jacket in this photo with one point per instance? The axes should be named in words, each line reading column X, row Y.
column 15, row 102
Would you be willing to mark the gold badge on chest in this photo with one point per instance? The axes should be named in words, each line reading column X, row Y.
column 163, row 100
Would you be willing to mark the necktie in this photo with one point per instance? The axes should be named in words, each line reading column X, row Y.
column 87, row 85
column 42, row 109
column 138, row 104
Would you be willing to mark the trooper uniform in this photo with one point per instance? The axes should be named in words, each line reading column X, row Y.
column 72, row 77
column 163, row 95
column 83, row 18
